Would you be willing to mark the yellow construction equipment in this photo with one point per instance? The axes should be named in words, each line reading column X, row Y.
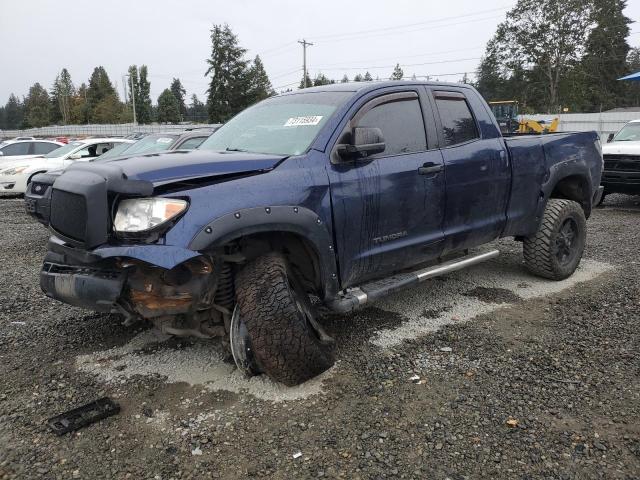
column 506, row 113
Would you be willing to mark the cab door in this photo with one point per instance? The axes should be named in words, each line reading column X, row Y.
column 388, row 208
column 478, row 173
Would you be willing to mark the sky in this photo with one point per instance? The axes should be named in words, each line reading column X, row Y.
column 428, row 38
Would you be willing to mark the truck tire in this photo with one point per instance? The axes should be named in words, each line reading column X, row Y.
column 554, row 252
column 285, row 339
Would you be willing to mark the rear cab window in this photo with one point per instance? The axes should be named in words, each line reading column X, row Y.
column 457, row 121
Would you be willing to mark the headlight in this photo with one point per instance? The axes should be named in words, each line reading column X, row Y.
column 141, row 214
column 15, row 170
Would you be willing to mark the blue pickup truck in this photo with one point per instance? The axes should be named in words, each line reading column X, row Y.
column 330, row 196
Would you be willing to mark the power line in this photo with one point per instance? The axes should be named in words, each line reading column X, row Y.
column 320, row 67
column 408, row 25
column 359, row 37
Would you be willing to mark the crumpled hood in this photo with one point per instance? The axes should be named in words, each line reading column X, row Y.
column 621, row 148
column 168, row 167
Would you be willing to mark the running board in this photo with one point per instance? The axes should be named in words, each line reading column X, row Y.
column 355, row 297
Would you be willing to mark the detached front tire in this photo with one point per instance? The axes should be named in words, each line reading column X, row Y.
column 276, row 319
column 555, row 251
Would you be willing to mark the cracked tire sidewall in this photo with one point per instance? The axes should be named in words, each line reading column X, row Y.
column 538, row 248
column 286, row 347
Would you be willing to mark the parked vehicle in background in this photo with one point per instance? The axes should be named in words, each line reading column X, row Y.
column 16, row 175
column 621, row 156
column 18, row 149
column 38, row 195
column 343, row 193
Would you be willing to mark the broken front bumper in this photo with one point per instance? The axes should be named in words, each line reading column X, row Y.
column 81, row 286
column 146, row 281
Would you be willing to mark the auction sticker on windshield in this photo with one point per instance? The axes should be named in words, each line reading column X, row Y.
column 301, row 121
column 164, row 140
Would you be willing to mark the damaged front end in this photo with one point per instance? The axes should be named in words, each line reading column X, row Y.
column 193, row 298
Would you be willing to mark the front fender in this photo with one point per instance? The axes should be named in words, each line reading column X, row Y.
column 294, row 219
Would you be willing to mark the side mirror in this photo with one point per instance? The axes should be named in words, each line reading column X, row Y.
column 75, row 156
column 1, row 153
column 365, row 141
column 610, row 137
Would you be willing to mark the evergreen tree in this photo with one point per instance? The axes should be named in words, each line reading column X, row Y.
column 358, row 78
column 309, row 82
column 397, row 73
column 179, row 92
column 605, row 58
column 103, row 104
column 62, row 93
column 14, row 113
column 227, row 92
column 259, row 84
column 633, row 88
column 367, row 77
column 144, row 114
column 322, row 79
column 37, row 106
column 197, row 110
column 79, row 107
column 133, row 87
column 345, row 79
column 168, row 107
column 3, row 118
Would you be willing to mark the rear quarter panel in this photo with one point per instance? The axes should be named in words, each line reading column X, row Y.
column 539, row 163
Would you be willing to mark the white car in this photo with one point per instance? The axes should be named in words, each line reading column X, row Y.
column 621, row 155
column 16, row 175
column 11, row 150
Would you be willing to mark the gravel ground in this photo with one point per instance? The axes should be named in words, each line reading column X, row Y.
column 485, row 373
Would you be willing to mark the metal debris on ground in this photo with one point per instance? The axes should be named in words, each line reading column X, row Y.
column 82, row 416
column 297, row 455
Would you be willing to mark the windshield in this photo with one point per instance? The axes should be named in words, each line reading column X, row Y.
column 283, row 125
column 629, row 133
column 62, row 151
column 152, row 143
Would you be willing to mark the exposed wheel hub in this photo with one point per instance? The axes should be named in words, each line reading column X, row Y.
column 241, row 348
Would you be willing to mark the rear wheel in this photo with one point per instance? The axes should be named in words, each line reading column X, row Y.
column 274, row 329
column 555, row 250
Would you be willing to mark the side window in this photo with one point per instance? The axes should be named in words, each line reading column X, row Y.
column 191, row 143
column 458, row 124
column 103, row 148
column 42, row 148
column 402, row 126
column 21, row 148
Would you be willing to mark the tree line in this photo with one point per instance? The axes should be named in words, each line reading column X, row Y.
column 97, row 101
column 562, row 55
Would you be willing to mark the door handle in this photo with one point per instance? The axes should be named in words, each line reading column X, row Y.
column 429, row 168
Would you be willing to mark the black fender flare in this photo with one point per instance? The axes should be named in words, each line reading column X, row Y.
column 556, row 174
column 290, row 218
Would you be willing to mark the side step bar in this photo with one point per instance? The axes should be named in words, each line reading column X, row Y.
column 355, row 297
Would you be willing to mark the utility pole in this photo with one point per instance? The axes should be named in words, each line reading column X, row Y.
column 304, row 44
